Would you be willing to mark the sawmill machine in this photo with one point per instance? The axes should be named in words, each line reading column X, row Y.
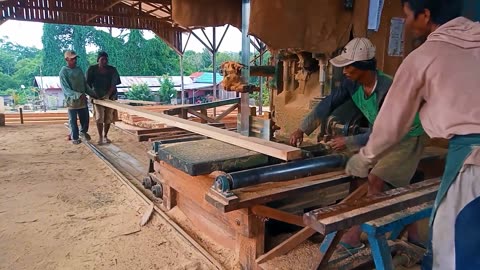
column 297, row 81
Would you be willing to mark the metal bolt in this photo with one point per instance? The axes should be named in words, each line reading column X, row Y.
column 237, row 221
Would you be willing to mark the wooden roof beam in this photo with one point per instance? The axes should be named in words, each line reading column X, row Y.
column 114, row 3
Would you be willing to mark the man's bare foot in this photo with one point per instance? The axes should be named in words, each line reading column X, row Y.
column 107, row 140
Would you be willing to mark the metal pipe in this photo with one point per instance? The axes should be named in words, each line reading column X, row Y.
column 279, row 172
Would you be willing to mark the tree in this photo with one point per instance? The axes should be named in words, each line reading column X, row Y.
column 167, row 89
column 140, row 92
column 57, row 38
column 7, row 82
column 26, row 70
column 206, row 57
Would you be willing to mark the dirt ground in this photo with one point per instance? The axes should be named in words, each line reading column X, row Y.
column 62, row 208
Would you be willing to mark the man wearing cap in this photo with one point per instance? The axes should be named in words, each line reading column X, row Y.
column 75, row 88
column 367, row 87
column 103, row 79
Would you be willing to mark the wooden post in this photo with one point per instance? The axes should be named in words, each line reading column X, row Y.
column 250, row 248
column 21, row 115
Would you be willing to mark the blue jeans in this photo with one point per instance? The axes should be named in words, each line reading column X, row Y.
column 84, row 118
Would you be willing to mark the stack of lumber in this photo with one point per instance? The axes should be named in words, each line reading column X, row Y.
column 36, row 118
column 230, row 120
column 164, row 133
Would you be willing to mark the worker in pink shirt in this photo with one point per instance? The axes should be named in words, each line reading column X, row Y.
column 441, row 81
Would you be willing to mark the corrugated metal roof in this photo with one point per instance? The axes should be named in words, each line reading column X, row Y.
column 207, row 77
column 128, row 81
column 177, row 80
column 53, row 82
column 194, row 86
column 47, row 82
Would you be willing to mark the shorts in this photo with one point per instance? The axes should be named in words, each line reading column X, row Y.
column 103, row 115
column 398, row 166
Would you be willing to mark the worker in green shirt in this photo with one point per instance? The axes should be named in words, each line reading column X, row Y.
column 75, row 90
column 366, row 87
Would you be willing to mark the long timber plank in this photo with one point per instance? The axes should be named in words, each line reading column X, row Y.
column 343, row 216
column 280, row 151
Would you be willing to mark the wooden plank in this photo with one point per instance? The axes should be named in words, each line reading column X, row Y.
column 164, row 135
column 226, row 112
column 251, row 247
column 280, row 151
column 179, row 139
column 268, row 212
column 202, row 116
column 287, row 245
column 327, row 248
column 156, row 130
column 306, row 232
column 267, row 192
column 340, row 217
column 138, row 102
column 176, row 111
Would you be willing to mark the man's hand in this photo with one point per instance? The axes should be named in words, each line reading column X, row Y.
column 338, row 143
column 358, row 166
column 296, row 138
column 110, row 93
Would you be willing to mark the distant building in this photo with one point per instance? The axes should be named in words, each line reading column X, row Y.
column 198, row 87
column 53, row 91
column 7, row 100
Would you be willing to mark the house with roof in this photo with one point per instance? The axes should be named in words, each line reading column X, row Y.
column 198, row 87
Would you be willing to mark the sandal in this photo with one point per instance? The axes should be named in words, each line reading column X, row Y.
column 78, row 141
column 345, row 249
column 107, row 140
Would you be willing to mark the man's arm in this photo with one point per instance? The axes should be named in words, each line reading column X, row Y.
column 396, row 116
column 113, row 84
column 116, row 77
column 360, row 140
column 90, row 76
column 325, row 107
column 67, row 89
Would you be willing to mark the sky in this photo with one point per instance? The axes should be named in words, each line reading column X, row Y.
column 30, row 34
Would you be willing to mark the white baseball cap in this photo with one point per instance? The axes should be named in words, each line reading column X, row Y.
column 358, row 49
column 70, row 54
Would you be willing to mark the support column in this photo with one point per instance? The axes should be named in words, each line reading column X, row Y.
column 260, row 107
column 182, row 87
column 244, row 97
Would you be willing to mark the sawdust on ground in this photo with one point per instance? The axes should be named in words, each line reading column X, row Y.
column 62, row 208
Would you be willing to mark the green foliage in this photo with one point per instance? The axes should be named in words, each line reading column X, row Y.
column 26, row 70
column 140, row 92
column 265, row 96
column 129, row 52
column 57, row 38
column 7, row 82
column 22, row 96
column 167, row 89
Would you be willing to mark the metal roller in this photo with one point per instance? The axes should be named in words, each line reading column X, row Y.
column 280, row 172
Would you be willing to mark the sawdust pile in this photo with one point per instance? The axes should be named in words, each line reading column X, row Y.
column 61, row 208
